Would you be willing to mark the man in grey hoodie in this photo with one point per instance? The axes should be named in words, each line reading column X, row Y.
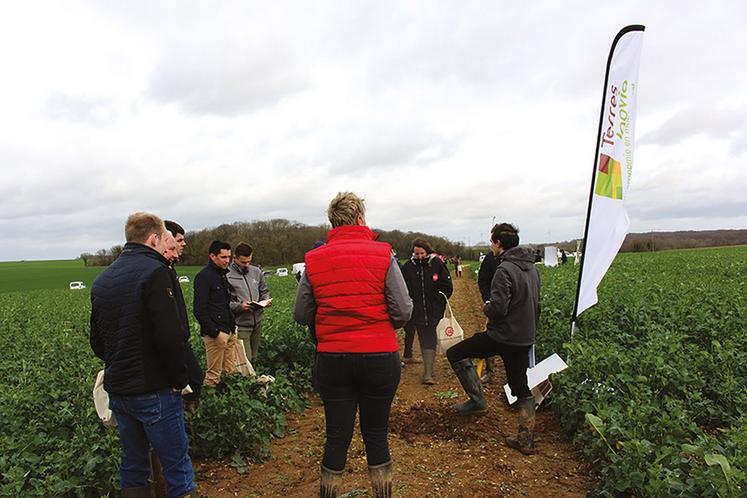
column 513, row 312
column 248, row 287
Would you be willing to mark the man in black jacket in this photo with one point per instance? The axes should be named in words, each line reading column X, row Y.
column 513, row 312
column 135, row 329
column 194, row 371
column 212, row 309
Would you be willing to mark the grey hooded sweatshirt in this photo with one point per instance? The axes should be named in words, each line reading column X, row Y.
column 513, row 310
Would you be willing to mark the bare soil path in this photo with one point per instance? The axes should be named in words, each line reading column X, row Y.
column 435, row 453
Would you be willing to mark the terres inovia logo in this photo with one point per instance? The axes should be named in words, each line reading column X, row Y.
column 609, row 178
column 449, row 331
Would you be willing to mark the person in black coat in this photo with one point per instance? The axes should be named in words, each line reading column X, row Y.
column 194, row 371
column 429, row 285
column 212, row 309
column 137, row 331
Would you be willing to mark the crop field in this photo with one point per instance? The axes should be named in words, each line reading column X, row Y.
column 656, row 391
column 655, row 394
column 52, row 443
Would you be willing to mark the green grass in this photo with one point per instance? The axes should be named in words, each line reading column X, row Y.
column 56, row 274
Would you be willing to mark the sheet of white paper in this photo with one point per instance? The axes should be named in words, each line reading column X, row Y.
column 550, row 365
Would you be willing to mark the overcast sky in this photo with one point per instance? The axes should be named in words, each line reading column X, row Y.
column 442, row 115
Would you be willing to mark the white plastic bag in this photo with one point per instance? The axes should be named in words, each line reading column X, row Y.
column 101, row 402
column 243, row 365
column 448, row 330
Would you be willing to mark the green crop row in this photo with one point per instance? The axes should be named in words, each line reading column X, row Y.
column 656, row 391
column 52, row 443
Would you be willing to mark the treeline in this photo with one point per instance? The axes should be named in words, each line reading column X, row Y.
column 103, row 257
column 280, row 242
column 666, row 241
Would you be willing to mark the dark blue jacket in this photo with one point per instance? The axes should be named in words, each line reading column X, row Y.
column 135, row 324
column 212, row 301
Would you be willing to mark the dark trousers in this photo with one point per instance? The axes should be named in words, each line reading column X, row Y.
column 194, row 374
column 426, row 337
column 349, row 382
column 515, row 359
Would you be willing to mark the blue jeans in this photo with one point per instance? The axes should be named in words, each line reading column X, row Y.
column 351, row 381
column 153, row 420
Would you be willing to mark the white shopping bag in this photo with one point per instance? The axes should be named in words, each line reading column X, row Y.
column 243, row 365
column 448, row 330
column 101, row 402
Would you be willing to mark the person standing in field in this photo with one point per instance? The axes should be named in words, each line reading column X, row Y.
column 247, row 284
column 354, row 296
column 429, row 285
column 194, row 371
column 137, row 331
column 513, row 312
column 212, row 301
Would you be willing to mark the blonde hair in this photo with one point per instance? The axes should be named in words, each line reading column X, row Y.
column 141, row 225
column 345, row 209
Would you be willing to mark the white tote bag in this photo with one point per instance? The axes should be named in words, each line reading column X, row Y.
column 101, row 402
column 243, row 365
column 448, row 330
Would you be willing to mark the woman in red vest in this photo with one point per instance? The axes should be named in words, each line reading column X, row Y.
column 353, row 296
column 428, row 281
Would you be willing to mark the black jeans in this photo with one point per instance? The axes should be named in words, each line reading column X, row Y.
column 426, row 337
column 515, row 359
column 351, row 381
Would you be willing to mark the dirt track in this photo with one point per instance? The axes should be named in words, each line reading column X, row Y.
column 435, row 453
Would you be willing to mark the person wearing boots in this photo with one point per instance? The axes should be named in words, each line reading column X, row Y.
column 429, row 284
column 513, row 312
column 353, row 297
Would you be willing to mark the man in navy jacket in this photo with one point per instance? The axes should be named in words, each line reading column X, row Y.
column 212, row 309
column 136, row 330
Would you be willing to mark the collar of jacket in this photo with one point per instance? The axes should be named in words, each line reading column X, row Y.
column 137, row 248
column 239, row 269
column 216, row 268
column 348, row 232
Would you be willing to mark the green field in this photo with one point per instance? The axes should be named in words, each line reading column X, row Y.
column 655, row 393
column 56, row 274
column 52, row 443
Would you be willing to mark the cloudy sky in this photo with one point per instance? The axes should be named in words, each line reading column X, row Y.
column 441, row 114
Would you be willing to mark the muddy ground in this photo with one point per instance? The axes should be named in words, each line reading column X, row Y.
column 435, row 453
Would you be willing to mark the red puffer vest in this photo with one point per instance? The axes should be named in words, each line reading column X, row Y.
column 347, row 276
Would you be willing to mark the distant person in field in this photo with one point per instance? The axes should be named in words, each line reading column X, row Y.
column 194, row 371
column 212, row 309
column 429, row 285
column 513, row 312
column 247, row 285
column 136, row 329
column 458, row 265
column 353, row 293
column 563, row 256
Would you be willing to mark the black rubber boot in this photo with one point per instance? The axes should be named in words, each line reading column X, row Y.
column 487, row 374
column 524, row 440
column 329, row 482
column 429, row 358
column 467, row 375
column 381, row 479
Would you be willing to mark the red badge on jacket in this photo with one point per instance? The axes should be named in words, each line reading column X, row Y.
column 435, row 277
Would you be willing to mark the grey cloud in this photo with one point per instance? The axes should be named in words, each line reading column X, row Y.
column 362, row 146
column 224, row 78
column 713, row 122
